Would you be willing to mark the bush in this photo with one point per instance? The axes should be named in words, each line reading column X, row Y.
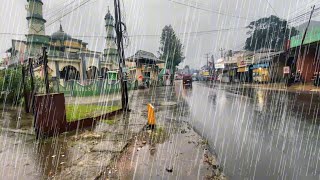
column 11, row 85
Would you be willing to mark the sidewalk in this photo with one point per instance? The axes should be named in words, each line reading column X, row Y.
column 297, row 88
column 81, row 154
column 173, row 150
column 170, row 152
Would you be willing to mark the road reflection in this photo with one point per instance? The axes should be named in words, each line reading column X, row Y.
column 257, row 133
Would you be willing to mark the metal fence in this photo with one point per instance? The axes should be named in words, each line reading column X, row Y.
column 95, row 88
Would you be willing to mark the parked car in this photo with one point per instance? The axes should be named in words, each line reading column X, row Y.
column 187, row 81
column 195, row 77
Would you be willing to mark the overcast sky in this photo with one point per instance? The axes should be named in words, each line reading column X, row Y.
column 148, row 17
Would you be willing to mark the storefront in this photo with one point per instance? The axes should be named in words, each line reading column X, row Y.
column 260, row 73
column 231, row 69
column 243, row 74
column 308, row 63
column 146, row 67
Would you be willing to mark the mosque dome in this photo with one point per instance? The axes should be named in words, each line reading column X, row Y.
column 108, row 16
column 60, row 35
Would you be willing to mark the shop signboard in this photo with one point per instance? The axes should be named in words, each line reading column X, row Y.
column 286, row 70
column 219, row 66
column 256, row 66
column 313, row 35
column 243, row 69
column 113, row 75
column 205, row 73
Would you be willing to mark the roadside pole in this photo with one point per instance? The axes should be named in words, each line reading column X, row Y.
column 45, row 66
column 30, row 67
column 122, row 64
column 302, row 41
column 26, row 99
column 207, row 56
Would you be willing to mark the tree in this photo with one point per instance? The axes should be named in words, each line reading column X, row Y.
column 269, row 32
column 170, row 48
column 11, row 85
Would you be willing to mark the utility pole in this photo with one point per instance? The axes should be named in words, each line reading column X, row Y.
column 26, row 100
column 32, row 83
column 213, row 66
column 122, row 64
column 207, row 56
column 304, row 36
column 45, row 66
column 221, row 50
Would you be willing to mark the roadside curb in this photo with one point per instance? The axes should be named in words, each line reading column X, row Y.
column 264, row 88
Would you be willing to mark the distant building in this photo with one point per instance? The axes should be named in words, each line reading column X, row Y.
column 68, row 58
column 144, row 66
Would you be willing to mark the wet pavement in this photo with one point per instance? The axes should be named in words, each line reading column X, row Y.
column 81, row 154
column 172, row 151
column 256, row 133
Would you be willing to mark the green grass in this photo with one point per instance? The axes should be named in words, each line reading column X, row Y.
column 78, row 112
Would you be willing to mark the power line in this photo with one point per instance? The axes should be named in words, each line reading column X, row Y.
column 209, row 10
column 302, row 17
column 301, row 9
column 58, row 10
column 146, row 35
column 57, row 19
column 272, row 8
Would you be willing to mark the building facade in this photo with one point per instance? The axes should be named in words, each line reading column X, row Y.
column 68, row 58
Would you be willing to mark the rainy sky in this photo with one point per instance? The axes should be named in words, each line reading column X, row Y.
column 204, row 26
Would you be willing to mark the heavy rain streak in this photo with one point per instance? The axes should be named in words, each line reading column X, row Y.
column 160, row 89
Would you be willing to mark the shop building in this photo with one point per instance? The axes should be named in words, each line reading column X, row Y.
column 145, row 67
column 308, row 63
column 68, row 58
column 244, row 61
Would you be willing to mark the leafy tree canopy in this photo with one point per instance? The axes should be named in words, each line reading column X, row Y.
column 268, row 32
column 171, row 49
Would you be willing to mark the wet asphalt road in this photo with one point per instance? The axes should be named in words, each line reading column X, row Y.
column 258, row 134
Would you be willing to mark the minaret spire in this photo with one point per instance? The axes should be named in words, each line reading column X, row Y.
column 36, row 37
column 110, row 51
column 61, row 25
